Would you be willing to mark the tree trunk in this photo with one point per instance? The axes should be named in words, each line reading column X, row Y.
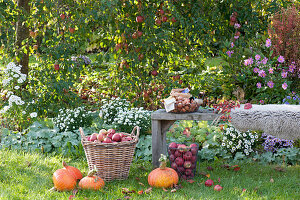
column 22, row 33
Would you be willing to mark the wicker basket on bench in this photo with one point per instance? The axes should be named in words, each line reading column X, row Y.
column 112, row 160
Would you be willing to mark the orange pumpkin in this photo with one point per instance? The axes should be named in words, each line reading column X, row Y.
column 91, row 182
column 163, row 177
column 63, row 180
column 73, row 171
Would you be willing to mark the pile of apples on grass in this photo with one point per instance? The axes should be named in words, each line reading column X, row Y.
column 66, row 178
column 183, row 159
column 109, row 136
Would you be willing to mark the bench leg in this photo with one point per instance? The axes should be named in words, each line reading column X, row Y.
column 159, row 129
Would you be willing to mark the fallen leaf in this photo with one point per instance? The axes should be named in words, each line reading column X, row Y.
column 190, row 181
column 165, row 190
column 279, row 169
column 132, row 191
column 209, row 168
column 219, row 180
column 142, row 184
column 225, row 166
column 244, row 190
column 127, row 197
column 177, row 187
column 148, row 190
column 140, row 192
column 272, row 180
column 255, row 189
column 137, row 178
column 125, row 190
column 203, row 173
column 28, row 164
column 173, row 190
column 207, row 175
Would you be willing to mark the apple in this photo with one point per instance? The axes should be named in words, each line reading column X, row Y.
column 116, row 137
column 122, row 135
column 93, row 137
column 62, row 16
column 218, row 188
column 139, row 19
column 35, row 47
column 161, row 11
column 154, row 73
column 134, row 35
column 141, row 56
column 88, row 138
column 113, row 131
column 164, row 18
column 209, row 183
column 32, row 34
column 139, row 33
column 72, row 30
column 158, row 22
column 103, row 131
column 56, row 67
column 100, row 137
column 107, row 140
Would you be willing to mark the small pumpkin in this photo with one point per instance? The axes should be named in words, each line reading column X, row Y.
column 63, row 180
column 73, row 171
column 91, row 182
column 163, row 177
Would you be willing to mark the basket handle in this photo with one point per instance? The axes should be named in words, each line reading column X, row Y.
column 137, row 129
column 82, row 133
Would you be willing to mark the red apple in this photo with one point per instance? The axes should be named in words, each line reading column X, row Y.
column 72, row 30
column 100, row 137
column 35, row 47
column 154, row 73
column 113, row 131
column 182, row 148
column 139, row 19
column 164, row 18
column 116, row 137
column 122, row 135
column 103, row 131
column 94, row 137
column 139, row 33
column 158, row 22
column 209, row 183
column 218, row 188
column 88, row 138
column 62, row 16
column 248, row 106
column 56, row 67
column 107, row 140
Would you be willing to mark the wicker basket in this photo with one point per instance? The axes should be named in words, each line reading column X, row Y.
column 112, row 160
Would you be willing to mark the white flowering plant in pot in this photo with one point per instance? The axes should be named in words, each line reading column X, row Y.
column 14, row 107
column 72, row 119
column 118, row 112
column 235, row 141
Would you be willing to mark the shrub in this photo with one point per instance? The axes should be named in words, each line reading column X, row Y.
column 284, row 31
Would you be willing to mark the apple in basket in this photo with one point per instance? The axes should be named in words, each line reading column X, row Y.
column 117, row 137
column 107, row 140
column 93, row 137
column 103, row 131
column 122, row 135
column 100, row 137
column 110, row 133
column 127, row 138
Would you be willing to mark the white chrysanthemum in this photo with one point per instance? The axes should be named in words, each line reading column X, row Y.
column 34, row 114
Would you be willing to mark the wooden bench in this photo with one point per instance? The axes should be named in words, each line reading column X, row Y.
column 161, row 122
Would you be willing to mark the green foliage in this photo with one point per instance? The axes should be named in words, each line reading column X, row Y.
column 282, row 156
column 43, row 137
column 200, row 132
column 143, row 149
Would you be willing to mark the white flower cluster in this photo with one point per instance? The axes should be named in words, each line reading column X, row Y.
column 117, row 111
column 236, row 141
column 111, row 109
column 71, row 119
column 12, row 73
column 12, row 77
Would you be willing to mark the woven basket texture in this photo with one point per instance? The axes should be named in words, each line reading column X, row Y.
column 112, row 160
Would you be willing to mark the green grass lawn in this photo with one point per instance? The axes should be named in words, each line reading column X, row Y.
column 29, row 176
